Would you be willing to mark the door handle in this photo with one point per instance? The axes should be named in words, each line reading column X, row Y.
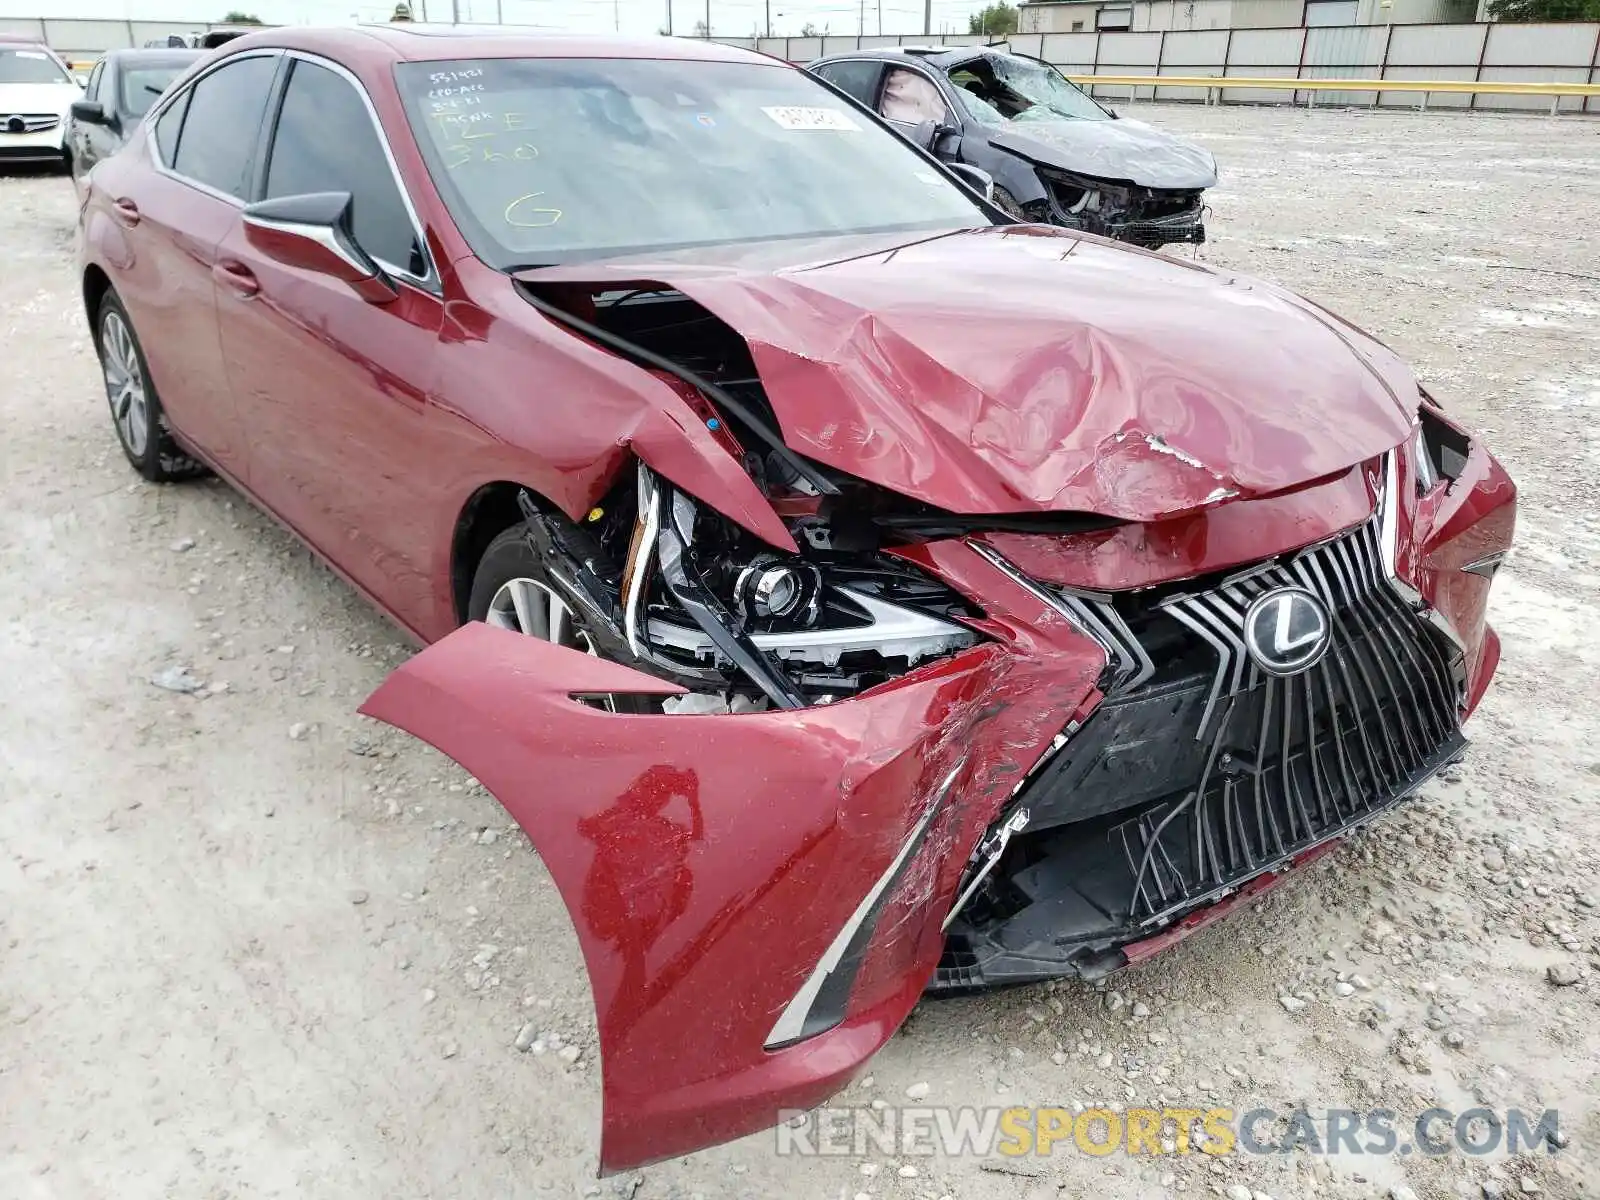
column 237, row 278
column 125, row 211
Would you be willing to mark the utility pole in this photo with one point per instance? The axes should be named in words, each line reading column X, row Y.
column 708, row 20
column 669, row 18
column 769, row 18
column 927, row 18
column 861, row 22
column 455, row 12
column 880, row 18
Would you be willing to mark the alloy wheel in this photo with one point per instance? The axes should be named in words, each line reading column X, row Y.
column 125, row 387
column 532, row 608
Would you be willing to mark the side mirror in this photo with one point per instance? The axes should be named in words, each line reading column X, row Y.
column 930, row 135
column 975, row 178
column 312, row 232
column 90, row 112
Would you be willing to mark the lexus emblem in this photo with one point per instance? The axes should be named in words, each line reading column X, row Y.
column 1287, row 631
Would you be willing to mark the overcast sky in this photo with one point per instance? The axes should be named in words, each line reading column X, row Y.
column 733, row 18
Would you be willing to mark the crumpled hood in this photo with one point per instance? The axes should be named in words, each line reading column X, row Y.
column 1123, row 150
column 1022, row 369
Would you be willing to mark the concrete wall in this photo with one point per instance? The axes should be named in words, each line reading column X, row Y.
column 83, row 39
column 1568, row 51
column 1059, row 16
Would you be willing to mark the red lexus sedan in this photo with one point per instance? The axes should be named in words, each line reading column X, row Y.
column 852, row 592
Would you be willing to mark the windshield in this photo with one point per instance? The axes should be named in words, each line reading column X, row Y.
column 142, row 86
column 30, row 66
column 549, row 160
column 998, row 89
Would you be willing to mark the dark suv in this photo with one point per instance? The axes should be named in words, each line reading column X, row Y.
column 1057, row 155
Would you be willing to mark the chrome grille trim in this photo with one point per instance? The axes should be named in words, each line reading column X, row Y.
column 31, row 122
column 1348, row 737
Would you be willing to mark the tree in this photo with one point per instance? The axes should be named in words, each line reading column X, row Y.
column 239, row 18
column 809, row 30
column 1545, row 10
column 1000, row 19
column 702, row 30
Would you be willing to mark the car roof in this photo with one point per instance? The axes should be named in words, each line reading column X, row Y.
column 940, row 57
column 413, row 42
column 163, row 56
column 21, row 39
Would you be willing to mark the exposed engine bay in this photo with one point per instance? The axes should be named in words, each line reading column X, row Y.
column 690, row 596
column 1149, row 217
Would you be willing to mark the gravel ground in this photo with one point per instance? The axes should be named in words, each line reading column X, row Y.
column 253, row 945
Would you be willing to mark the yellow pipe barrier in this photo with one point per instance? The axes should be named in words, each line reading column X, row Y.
column 1487, row 87
column 1213, row 84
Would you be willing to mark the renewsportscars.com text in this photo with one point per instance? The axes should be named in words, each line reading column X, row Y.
column 1019, row 1131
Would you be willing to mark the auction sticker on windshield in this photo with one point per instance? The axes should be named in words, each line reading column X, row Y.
column 792, row 116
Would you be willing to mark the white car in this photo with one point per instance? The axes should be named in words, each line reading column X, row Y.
column 36, row 93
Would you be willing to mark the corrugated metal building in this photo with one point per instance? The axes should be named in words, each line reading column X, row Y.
column 1087, row 16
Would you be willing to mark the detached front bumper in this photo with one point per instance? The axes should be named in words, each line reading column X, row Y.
column 758, row 896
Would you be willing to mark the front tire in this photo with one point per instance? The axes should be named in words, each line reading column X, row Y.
column 1007, row 203
column 511, row 589
column 136, row 411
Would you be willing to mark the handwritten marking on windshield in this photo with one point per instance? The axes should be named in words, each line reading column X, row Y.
column 530, row 218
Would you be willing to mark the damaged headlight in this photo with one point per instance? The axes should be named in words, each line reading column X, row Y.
column 703, row 596
column 1438, row 449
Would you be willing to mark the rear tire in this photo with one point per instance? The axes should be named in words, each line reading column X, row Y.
column 136, row 411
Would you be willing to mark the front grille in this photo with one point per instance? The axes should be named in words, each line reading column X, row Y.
column 1290, row 760
column 28, row 122
column 1201, row 770
column 1159, row 233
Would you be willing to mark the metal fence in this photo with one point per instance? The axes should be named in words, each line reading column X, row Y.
column 79, row 39
column 1564, row 52
column 1567, row 52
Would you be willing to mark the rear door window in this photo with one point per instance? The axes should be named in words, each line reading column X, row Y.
column 168, row 125
column 217, row 144
column 326, row 142
column 857, row 77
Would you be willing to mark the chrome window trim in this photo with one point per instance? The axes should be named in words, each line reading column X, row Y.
column 429, row 279
column 166, row 102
